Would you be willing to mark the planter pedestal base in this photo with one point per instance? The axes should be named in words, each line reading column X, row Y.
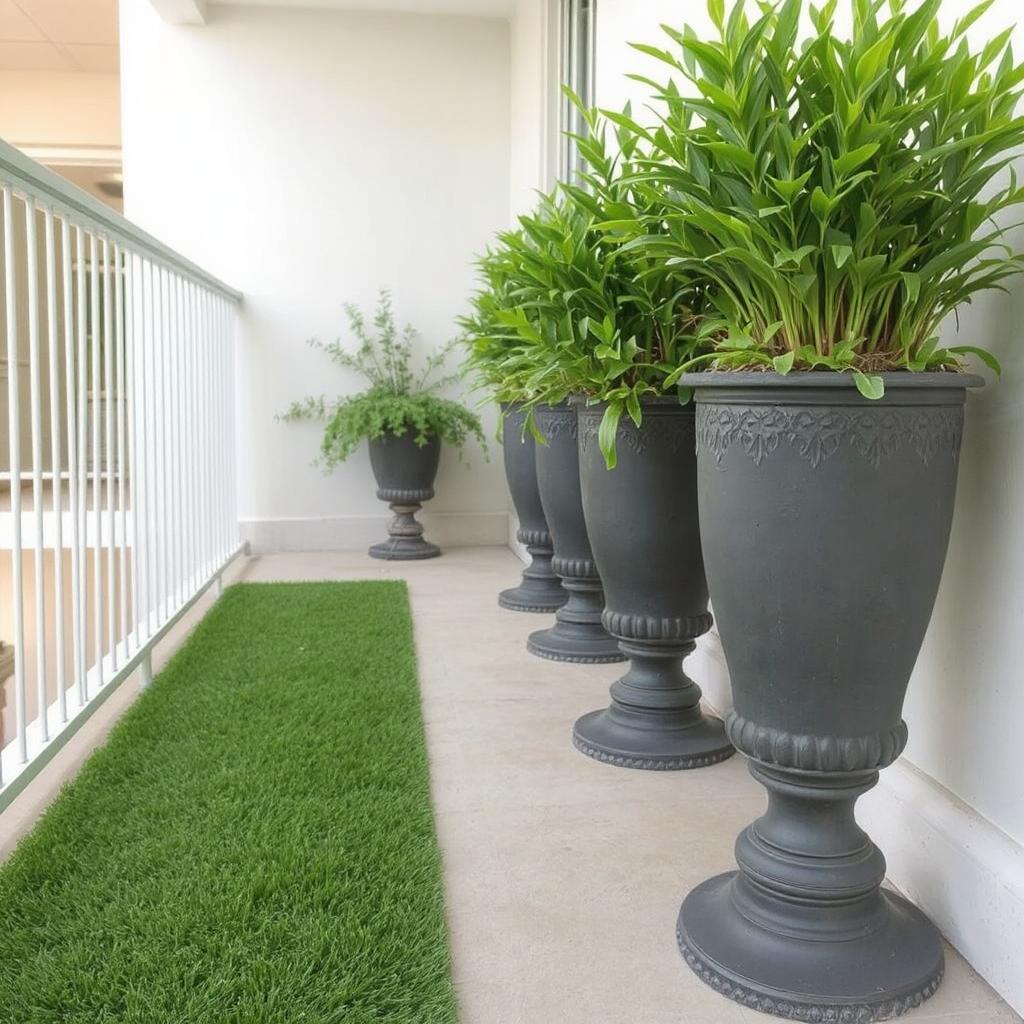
column 577, row 634
column 654, row 721
column 541, row 590
column 406, row 541
column 873, row 978
column 803, row 930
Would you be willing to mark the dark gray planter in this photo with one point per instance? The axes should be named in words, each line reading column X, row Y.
column 577, row 634
column 405, row 473
column 642, row 522
column 825, row 519
column 541, row 590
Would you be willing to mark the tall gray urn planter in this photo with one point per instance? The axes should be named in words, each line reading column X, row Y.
column 577, row 634
column 540, row 590
column 825, row 519
column 642, row 522
column 405, row 473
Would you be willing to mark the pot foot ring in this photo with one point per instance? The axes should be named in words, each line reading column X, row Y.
column 663, row 749
column 582, row 645
column 404, row 550
column 536, row 596
column 854, row 981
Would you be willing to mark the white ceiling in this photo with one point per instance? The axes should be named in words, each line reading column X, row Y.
column 81, row 35
column 58, row 35
column 481, row 8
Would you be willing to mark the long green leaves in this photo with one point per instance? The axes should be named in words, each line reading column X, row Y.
column 818, row 203
column 840, row 196
column 568, row 309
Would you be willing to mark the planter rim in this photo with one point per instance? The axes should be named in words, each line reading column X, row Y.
column 827, row 379
column 409, row 430
column 661, row 401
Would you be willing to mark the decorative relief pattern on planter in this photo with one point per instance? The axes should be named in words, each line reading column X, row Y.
column 534, row 538
column 842, row 1013
column 818, row 433
column 815, row 753
column 552, row 422
column 648, row 763
column 575, row 568
column 572, row 659
column 395, row 495
column 645, row 627
column 671, row 431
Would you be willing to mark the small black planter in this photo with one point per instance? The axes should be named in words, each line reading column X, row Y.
column 541, row 590
column 642, row 523
column 577, row 634
column 825, row 520
column 405, row 474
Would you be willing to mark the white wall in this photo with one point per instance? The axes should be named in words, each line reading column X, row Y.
column 532, row 83
column 950, row 816
column 308, row 158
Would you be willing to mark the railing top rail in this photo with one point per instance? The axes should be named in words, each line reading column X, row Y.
column 22, row 172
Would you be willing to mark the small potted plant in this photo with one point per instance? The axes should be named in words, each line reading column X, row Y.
column 399, row 415
column 491, row 346
column 839, row 197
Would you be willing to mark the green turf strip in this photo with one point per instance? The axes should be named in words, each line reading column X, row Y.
column 255, row 841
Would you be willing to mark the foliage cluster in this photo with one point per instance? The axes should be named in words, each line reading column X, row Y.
column 397, row 400
column 842, row 197
column 799, row 204
column 567, row 309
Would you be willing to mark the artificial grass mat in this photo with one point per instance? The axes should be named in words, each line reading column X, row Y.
column 255, row 841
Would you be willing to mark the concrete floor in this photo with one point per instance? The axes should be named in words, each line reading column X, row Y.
column 563, row 876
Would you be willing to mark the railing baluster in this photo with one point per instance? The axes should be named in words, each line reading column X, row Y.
column 121, row 529
column 97, row 487
column 132, row 416
column 178, row 421
column 192, row 381
column 14, row 428
column 82, row 412
column 71, row 425
column 56, row 462
column 152, row 430
column 36, row 405
column 163, row 456
column 109, row 445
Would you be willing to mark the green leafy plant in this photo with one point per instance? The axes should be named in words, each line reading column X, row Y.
column 493, row 343
column 398, row 399
column 840, row 196
column 569, row 310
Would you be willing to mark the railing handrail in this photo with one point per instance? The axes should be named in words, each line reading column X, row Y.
column 22, row 172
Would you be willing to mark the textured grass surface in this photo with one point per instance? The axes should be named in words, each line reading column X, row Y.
column 254, row 844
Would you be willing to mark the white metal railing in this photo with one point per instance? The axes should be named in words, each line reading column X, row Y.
column 117, row 490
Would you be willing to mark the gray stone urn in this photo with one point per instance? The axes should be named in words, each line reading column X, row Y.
column 405, row 473
column 825, row 519
column 577, row 634
column 540, row 589
column 642, row 522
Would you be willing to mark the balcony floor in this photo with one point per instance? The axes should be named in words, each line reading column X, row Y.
column 563, row 876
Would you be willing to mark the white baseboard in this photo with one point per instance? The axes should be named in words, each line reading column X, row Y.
column 356, row 533
column 958, row 867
